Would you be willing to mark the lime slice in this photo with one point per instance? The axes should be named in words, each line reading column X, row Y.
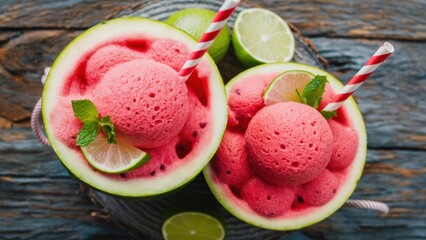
column 283, row 88
column 113, row 158
column 261, row 36
column 192, row 226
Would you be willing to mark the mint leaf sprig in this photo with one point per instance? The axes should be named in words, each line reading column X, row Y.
column 87, row 113
column 108, row 129
column 329, row 114
column 312, row 94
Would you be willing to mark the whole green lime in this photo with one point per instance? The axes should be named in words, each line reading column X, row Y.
column 195, row 21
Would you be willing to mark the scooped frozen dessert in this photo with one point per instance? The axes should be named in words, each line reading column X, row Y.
column 283, row 165
column 241, row 103
column 127, row 68
column 320, row 190
column 289, row 143
column 142, row 108
column 345, row 138
column 231, row 160
column 267, row 199
column 105, row 58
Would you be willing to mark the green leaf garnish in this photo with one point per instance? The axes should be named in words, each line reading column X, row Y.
column 328, row 114
column 108, row 129
column 86, row 111
column 312, row 94
column 88, row 133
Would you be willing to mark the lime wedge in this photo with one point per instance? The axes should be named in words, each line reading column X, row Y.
column 192, row 226
column 283, row 88
column 261, row 36
column 113, row 158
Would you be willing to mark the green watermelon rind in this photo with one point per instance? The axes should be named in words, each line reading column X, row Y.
column 131, row 188
column 241, row 210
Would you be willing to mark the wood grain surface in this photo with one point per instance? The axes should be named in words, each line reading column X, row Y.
column 39, row 200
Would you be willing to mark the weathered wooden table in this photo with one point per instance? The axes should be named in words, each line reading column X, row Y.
column 39, row 200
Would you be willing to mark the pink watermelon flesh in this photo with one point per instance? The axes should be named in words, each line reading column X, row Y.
column 267, row 199
column 137, row 85
column 231, row 165
column 289, row 143
column 141, row 108
column 162, row 157
column 65, row 125
column 336, row 138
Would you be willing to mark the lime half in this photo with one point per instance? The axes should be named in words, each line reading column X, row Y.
column 195, row 21
column 193, row 226
column 113, row 158
column 283, row 88
column 261, row 36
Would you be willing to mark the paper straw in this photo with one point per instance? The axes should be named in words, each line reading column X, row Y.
column 208, row 38
column 385, row 50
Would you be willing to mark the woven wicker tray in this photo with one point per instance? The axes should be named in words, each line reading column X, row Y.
column 144, row 218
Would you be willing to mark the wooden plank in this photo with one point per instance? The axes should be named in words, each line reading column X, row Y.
column 23, row 156
column 331, row 18
column 23, row 56
column 38, row 198
column 388, row 100
column 393, row 99
column 50, row 208
column 22, row 14
column 47, row 205
column 354, row 18
column 393, row 177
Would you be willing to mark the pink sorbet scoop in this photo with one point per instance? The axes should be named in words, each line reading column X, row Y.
column 146, row 100
column 105, row 58
column 345, row 145
column 289, row 143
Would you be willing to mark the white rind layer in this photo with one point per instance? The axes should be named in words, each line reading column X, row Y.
column 137, row 188
column 241, row 210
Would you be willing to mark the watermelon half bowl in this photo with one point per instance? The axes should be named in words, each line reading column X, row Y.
column 240, row 189
column 182, row 150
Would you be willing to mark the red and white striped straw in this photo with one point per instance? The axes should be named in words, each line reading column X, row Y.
column 385, row 50
column 208, row 38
